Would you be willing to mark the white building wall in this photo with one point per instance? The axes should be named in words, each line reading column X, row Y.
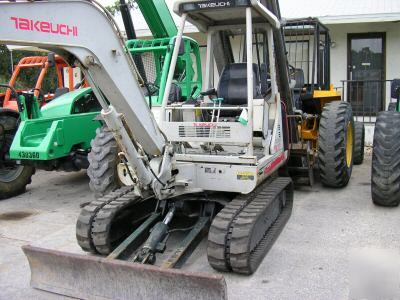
column 339, row 65
column 339, row 52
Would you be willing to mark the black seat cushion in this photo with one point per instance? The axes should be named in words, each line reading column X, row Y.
column 232, row 85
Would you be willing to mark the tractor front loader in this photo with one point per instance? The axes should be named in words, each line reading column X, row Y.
column 209, row 165
column 329, row 138
column 385, row 177
column 14, row 176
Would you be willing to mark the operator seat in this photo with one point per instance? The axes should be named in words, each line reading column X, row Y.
column 232, row 85
column 298, row 76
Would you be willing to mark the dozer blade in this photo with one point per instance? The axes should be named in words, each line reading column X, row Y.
column 91, row 277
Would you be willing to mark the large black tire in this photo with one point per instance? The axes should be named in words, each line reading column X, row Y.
column 392, row 106
column 385, row 179
column 103, row 161
column 336, row 144
column 359, row 137
column 13, row 178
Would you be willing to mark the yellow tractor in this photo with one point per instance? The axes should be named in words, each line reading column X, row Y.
column 329, row 138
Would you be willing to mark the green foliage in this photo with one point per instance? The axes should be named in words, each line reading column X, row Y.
column 4, row 64
column 116, row 7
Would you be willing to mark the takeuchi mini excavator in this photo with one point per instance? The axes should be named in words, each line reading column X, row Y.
column 210, row 165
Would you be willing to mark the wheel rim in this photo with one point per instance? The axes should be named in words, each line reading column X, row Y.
column 349, row 145
column 9, row 174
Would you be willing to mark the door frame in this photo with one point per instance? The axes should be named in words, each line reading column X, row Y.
column 366, row 35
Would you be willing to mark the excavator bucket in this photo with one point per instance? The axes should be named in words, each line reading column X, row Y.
column 91, row 277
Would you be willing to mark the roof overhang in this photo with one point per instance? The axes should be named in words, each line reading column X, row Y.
column 367, row 18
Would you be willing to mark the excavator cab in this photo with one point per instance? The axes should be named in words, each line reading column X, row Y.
column 239, row 107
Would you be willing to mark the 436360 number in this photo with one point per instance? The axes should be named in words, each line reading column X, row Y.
column 28, row 155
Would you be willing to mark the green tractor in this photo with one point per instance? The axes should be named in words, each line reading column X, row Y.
column 32, row 76
column 385, row 180
column 58, row 136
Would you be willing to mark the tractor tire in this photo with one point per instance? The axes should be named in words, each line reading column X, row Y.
column 103, row 161
column 359, row 137
column 336, row 144
column 392, row 106
column 13, row 178
column 385, row 179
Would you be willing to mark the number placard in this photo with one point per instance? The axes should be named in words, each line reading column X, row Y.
column 28, row 155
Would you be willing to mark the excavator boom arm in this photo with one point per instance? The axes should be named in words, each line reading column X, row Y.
column 71, row 29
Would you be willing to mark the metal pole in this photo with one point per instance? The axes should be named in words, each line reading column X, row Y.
column 209, row 61
column 171, row 72
column 12, row 61
column 250, row 79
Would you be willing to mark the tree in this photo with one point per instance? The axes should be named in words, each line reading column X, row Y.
column 4, row 64
column 116, row 7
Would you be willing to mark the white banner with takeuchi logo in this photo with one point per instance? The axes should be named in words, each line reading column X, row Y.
column 44, row 26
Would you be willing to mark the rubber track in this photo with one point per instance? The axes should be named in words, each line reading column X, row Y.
column 385, row 179
column 104, row 219
column 88, row 214
column 233, row 228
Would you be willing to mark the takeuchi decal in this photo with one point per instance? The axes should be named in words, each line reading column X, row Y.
column 44, row 26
